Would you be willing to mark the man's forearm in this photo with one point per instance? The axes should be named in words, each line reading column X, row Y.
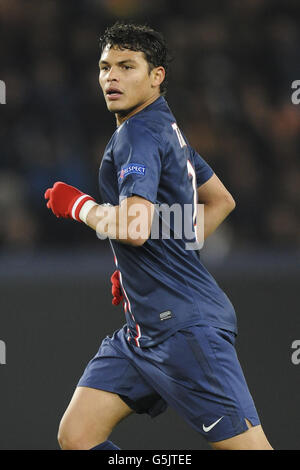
column 214, row 214
column 125, row 223
column 105, row 221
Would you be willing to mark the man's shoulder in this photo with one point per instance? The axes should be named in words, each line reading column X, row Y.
column 152, row 124
column 140, row 128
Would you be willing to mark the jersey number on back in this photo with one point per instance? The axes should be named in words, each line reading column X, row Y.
column 191, row 172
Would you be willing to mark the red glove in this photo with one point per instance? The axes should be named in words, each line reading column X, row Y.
column 66, row 201
column 116, row 288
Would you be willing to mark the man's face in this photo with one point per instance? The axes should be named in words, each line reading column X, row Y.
column 125, row 80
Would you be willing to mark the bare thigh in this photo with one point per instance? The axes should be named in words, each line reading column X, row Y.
column 90, row 418
column 252, row 439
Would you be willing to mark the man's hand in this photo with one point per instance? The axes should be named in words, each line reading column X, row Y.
column 67, row 201
column 116, row 288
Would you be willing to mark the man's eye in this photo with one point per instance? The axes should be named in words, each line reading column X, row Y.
column 126, row 67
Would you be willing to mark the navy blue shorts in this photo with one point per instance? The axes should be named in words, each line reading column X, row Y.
column 195, row 371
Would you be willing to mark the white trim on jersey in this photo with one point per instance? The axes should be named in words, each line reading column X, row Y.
column 192, row 173
column 127, row 302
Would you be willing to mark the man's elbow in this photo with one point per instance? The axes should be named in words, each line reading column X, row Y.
column 136, row 242
column 229, row 202
column 139, row 237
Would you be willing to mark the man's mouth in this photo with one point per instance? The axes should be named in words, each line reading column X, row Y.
column 113, row 93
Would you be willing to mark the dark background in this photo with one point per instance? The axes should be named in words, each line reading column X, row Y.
column 230, row 90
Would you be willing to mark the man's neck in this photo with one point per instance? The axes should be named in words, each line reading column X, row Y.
column 121, row 118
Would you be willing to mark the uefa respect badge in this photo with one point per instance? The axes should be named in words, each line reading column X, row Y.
column 132, row 168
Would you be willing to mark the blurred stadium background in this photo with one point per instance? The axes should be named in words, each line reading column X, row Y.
column 230, row 90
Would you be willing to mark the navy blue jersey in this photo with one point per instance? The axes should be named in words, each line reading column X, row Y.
column 165, row 285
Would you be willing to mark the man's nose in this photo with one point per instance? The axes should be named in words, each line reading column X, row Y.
column 113, row 75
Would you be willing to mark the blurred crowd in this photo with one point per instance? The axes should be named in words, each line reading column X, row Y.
column 229, row 88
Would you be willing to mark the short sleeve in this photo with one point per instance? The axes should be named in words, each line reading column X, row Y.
column 137, row 161
column 203, row 171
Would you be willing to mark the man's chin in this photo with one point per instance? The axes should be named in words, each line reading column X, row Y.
column 117, row 109
column 120, row 112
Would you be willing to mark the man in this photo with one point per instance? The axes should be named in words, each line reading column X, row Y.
column 177, row 347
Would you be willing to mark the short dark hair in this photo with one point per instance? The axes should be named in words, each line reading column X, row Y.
column 141, row 38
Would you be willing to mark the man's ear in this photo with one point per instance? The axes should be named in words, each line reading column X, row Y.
column 158, row 76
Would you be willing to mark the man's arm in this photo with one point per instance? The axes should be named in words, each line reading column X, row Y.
column 130, row 222
column 218, row 203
